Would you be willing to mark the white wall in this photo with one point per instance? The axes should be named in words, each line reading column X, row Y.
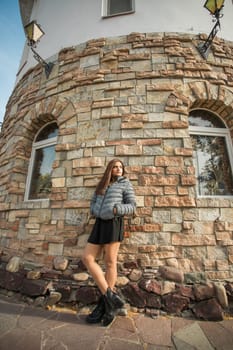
column 70, row 22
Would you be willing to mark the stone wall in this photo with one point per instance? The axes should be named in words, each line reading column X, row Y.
column 126, row 97
column 153, row 292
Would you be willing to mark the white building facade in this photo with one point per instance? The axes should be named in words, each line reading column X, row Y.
column 76, row 22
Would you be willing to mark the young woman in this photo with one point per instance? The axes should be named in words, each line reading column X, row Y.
column 113, row 199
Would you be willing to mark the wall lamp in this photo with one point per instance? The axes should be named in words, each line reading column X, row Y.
column 214, row 7
column 34, row 33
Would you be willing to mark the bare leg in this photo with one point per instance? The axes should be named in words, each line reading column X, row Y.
column 89, row 259
column 110, row 258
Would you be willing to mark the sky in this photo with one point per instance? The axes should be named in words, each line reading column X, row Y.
column 12, row 40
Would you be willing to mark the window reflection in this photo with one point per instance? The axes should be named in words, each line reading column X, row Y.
column 41, row 174
column 212, row 162
column 48, row 132
column 43, row 155
column 212, row 151
column 205, row 119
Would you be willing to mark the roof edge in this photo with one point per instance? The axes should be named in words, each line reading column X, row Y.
column 26, row 7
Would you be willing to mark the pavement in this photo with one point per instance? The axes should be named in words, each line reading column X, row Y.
column 25, row 327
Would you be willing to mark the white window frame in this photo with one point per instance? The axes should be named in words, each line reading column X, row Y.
column 37, row 145
column 105, row 11
column 221, row 132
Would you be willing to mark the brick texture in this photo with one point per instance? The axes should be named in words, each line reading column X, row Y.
column 127, row 97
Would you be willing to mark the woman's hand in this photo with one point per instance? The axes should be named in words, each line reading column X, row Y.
column 114, row 211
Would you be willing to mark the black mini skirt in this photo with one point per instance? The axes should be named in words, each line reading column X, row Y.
column 107, row 231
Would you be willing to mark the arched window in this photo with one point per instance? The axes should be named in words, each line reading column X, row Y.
column 213, row 154
column 43, row 154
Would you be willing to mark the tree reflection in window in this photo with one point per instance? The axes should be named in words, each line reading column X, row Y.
column 43, row 156
column 212, row 147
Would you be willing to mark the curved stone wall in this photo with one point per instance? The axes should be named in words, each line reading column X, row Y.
column 126, row 97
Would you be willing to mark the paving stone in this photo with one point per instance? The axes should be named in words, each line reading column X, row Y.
column 182, row 345
column 123, row 328
column 36, row 317
column 220, row 337
column 179, row 323
column 76, row 335
column 157, row 347
column 228, row 324
column 10, row 307
column 7, row 323
column 21, row 339
column 157, row 332
column 116, row 344
column 27, row 327
column 193, row 336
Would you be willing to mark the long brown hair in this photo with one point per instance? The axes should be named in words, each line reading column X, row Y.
column 106, row 178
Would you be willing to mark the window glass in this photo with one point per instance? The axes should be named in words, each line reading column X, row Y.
column 212, row 154
column 39, row 182
column 212, row 163
column 47, row 132
column 41, row 173
column 205, row 119
column 117, row 7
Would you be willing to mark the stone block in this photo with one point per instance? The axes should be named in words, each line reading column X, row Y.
column 175, row 303
column 55, row 249
column 193, row 240
column 11, row 280
column 134, row 295
column 58, row 182
column 221, row 294
column 151, row 285
column 60, row 263
column 13, row 264
column 171, row 273
column 128, row 150
column 34, row 287
column 203, row 292
column 208, row 310
column 87, row 295
column 175, row 201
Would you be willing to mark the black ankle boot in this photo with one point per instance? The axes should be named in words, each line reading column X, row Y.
column 109, row 314
column 117, row 301
column 112, row 302
column 97, row 314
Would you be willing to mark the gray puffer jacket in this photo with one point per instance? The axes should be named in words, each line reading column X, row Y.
column 119, row 195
